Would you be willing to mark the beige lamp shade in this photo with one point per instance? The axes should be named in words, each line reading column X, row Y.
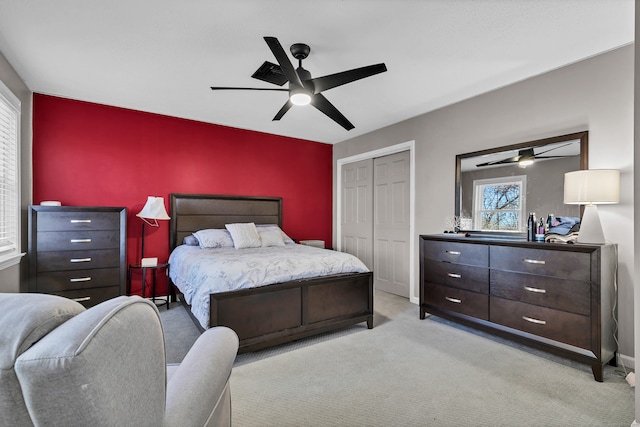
column 151, row 212
column 593, row 186
column 154, row 209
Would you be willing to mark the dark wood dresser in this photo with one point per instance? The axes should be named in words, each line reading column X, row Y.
column 78, row 252
column 556, row 297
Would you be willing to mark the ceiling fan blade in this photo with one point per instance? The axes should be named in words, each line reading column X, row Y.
column 554, row 157
column 513, row 159
column 333, row 80
column 270, row 73
column 283, row 110
column 551, row 149
column 323, row 104
column 247, row 88
column 283, row 60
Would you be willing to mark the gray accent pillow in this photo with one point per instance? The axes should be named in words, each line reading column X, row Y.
column 190, row 240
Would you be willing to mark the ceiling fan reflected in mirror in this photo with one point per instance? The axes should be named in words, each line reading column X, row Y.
column 525, row 157
column 303, row 89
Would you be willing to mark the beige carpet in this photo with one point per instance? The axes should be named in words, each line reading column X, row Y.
column 411, row 372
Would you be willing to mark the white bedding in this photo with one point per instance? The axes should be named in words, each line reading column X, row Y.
column 199, row 272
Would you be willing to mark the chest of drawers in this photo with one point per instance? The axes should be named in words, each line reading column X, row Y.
column 556, row 297
column 77, row 252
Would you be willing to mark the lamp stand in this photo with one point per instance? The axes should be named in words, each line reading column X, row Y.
column 142, row 246
column 590, row 227
column 146, row 262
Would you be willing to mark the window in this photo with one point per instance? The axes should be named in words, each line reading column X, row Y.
column 9, row 178
column 498, row 203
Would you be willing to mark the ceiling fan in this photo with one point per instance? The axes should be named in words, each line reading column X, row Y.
column 302, row 88
column 524, row 157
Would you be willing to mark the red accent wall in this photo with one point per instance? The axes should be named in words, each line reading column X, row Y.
column 87, row 154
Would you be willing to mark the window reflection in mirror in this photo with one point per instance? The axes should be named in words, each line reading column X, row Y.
column 497, row 188
column 498, row 203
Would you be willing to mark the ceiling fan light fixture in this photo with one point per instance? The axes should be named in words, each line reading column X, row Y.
column 300, row 97
column 303, row 89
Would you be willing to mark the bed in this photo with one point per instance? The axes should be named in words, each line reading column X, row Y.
column 276, row 313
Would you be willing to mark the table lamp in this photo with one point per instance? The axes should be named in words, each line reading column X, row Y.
column 152, row 211
column 590, row 188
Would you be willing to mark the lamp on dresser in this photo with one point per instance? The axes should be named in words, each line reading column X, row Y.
column 152, row 211
column 590, row 188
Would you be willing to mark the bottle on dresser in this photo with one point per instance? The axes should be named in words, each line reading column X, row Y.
column 531, row 227
column 540, row 231
column 551, row 218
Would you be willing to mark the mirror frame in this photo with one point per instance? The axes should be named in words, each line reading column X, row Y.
column 584, row 164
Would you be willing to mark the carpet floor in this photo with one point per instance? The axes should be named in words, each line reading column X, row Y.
column 411, row 372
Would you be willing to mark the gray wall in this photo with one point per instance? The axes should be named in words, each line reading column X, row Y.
column 10, row 277
column 595, row 94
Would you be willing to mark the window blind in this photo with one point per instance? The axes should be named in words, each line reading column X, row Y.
column 9, row 180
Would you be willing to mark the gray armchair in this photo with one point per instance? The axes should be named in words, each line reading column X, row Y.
column 64, row 365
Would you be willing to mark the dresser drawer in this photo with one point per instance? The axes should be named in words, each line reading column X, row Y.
column 458, row 253
column 78, row 240
column 458, row 300
column 569, row 328
column 457, row 275
column 78, row 260
column 544, row 262
column 78, row 220
column 90, row 297
column 562, row 294
column 77, row 279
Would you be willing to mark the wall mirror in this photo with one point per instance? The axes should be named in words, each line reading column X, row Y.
column 497, row 188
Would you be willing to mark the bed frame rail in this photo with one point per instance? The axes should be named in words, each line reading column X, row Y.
column 294, row 310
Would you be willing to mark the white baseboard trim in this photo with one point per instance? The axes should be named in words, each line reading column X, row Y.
column 629, row 362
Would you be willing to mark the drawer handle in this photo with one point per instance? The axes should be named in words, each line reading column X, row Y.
column 533, row 261
column 454, row 275
column 80, row 279
column 455, row 300
column 76, row 221
column 80, row 240
column 453, row 252
column 80, row 260
column 81, row 299
column 536, row 321
column 537, row 290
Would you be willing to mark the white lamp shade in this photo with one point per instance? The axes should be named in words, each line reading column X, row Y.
column 592, row 186
column 154, row 209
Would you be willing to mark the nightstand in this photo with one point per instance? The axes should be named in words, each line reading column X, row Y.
column 154, row 272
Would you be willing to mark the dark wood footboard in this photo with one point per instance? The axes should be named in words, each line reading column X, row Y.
column 275, row 314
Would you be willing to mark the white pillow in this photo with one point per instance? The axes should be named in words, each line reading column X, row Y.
column 270, row 238
column 214, row 238
column 244, row 235
column 275, row 227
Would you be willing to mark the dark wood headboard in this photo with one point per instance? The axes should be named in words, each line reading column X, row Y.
column 193, row 212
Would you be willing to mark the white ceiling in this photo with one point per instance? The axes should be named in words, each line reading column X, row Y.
column 162, row 56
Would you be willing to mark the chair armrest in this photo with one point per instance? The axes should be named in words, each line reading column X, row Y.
column 199, row 384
